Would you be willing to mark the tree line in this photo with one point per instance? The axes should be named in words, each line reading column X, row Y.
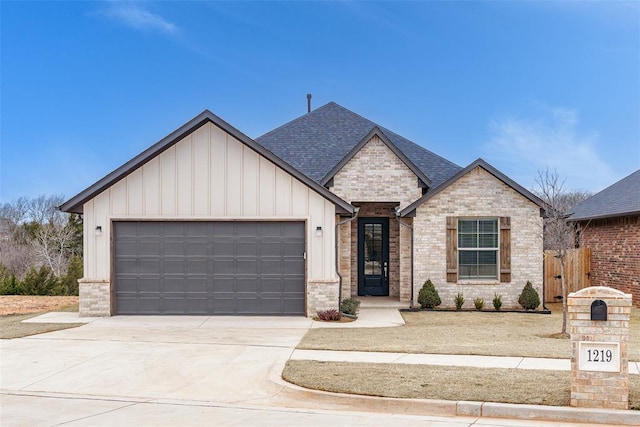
column 40, row 247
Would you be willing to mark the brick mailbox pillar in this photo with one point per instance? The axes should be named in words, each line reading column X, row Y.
column 599, row 326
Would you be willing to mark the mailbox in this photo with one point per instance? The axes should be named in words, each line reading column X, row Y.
column 598, row 310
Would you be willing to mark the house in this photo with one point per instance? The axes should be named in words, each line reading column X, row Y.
column 609, row 223
column 327, row 206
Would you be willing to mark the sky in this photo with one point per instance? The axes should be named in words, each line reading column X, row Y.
column 86, row 86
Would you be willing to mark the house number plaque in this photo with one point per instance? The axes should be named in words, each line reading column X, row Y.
column 599, row 356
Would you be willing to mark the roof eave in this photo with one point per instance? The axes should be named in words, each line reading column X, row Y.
column 603, row 216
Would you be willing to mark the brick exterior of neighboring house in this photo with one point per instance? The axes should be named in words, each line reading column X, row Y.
column 609, row 224
column 615, row 253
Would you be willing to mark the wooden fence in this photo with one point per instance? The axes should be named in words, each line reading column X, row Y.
column 577, row 267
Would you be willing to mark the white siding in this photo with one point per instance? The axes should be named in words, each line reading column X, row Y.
column 209, row 175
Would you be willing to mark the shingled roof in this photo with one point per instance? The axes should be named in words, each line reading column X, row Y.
column 620, row 199
column 316, row 142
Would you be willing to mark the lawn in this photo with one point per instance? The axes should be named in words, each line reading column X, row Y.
column 521, row 386
column 474, row 333
column 469, row 333
column 15, row 309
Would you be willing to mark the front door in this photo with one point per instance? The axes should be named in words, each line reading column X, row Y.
column 373, row 256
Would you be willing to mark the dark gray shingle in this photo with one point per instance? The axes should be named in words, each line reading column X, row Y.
column 316, row 142
column 621, row 198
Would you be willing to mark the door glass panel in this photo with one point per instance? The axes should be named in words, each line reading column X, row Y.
column 372, row 249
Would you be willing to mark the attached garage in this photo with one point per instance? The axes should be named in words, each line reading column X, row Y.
column 207, row 222
column 209, row 268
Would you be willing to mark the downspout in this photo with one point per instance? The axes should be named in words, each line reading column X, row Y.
column 411, row 231
column 355, row 215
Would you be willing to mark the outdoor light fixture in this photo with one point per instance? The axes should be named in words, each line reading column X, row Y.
column 98, row 230
column 319, row 231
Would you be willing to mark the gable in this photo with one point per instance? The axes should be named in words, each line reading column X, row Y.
column 209, row 173
column 479, row 193
column 76, row 203
column 376, row 174
column 478, row 166
column 317, row 142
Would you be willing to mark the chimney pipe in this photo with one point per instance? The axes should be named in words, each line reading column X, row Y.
column 308, row 103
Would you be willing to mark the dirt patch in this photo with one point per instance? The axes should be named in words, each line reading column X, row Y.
column 22, row 304
column 520, row 386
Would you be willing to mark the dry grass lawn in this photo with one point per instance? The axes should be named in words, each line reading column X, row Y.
column 440, row 382
column 475, row 333
column 15, row 309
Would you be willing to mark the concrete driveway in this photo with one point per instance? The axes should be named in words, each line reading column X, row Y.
column 141, row 370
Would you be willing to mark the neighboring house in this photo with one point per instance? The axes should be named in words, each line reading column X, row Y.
column 609, row 224
column 210, row 221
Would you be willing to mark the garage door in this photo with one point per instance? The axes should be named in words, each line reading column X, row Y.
column 238, row 268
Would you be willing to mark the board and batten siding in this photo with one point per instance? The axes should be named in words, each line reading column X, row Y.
column 209, row 175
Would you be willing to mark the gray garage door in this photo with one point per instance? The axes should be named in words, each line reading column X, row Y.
column 241, row 268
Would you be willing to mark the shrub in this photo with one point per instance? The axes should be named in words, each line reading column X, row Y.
column 68, row 284
column 10, row 285
column 428, row 296
column 529, row 298
column 497, row 302
column 459, row 300
column 39, row 281
column 479, row 303
column 329, row 315
column 350, row 306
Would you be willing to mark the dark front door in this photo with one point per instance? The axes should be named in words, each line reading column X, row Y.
column 373, row 256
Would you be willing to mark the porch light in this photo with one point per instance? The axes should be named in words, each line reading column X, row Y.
column 319, row 231
column 98, row 230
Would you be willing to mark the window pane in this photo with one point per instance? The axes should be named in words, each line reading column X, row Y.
column 373, row 249
column 488, row 226
column 467, row 240
column 468, row 257
column 468, row 226
column 488, row 241
column 477, row 264
column 486, row 257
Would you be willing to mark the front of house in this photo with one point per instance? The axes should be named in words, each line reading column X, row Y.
column 327, row 206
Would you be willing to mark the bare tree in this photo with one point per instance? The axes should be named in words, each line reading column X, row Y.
column 52, row 245
column 44, row 210
column 33, row 232
column 559, row 234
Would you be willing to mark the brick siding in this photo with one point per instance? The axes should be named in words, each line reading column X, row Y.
column 478, row 194
column 615, row 253
column 94, row 297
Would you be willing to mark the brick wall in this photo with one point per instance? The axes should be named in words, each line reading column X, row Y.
column 615, row 253
column 478, row 194
column 593, row 389
column 321, row 295
column 94, row 297
column 376, row 174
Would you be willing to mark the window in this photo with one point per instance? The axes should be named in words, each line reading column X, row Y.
column 478, row 249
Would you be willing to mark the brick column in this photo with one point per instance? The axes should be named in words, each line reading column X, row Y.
column 599, row 348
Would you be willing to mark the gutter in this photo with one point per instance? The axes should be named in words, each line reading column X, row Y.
column 411, row 230
column 355, row 215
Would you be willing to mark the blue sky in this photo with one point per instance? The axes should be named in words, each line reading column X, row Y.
column 85, row 86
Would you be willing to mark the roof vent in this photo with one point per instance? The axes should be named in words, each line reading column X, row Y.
column 308, row 103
